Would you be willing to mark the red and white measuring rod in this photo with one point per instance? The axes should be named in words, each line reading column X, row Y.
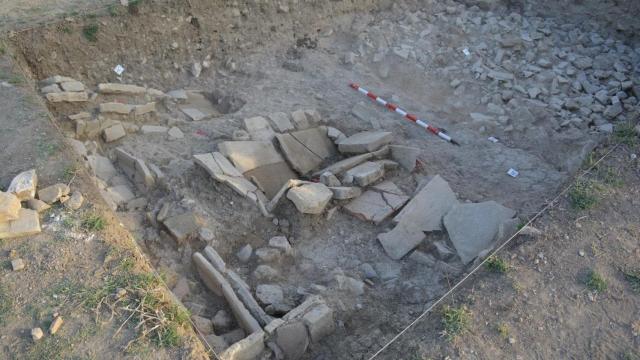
column 396, row 109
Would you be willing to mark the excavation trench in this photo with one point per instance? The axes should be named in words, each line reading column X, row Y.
column 224, row 63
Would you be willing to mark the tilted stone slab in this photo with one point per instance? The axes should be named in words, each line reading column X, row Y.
column 248, row 155
column 427, row 208
column 364, row 142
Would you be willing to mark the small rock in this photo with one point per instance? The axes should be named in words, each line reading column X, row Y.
column 269, row 294
column 281, row 243
column 265, row 273
column 53, row 193
column 196, row 69
column 368, row 271
column 24, row 185
column 310, row 198
column 241, row 135
column 175, row 133
column 329, row 179
column 38, row 205
column 113, row 133
column 9, row 207
column 55, row 325
column 206, row 235
column 245, row 253
column 17, row 264
column 75, row 201
column 233, row 336
column 292, row 339
column 202, row 324
column 267, row 255
column 350, row 285
column 36, row 334
column 581, row 253
column 222, row 320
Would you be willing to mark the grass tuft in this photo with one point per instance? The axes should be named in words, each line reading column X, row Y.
column 625, row 134
column 497, row 265
column 456, row 321
column 90, row 32
column 503, row 330
column 93, row 222
column 596, row 282
column 583, row 195
column 633, row 277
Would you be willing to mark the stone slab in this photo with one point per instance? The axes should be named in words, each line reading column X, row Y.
column 376, row 206
column 121, row 89
column 9, row 206
column 281, row 122
column 270, row 178
column 183, row 226
column 310, row 198
column 248, row 348
column 67, row 97
column 364, row 142
column 429, row 206
column 473, row 228
column 194, row 114
column 28, row 223
column 259, row 129
column 401, row 240
column 405, row 156
column 364, row 174
column 248, row 155
column 316, row 140
column 301, row 158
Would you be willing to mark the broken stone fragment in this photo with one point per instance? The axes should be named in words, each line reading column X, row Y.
column 310, row 198
column 222, row 320
column 405, row 156
column 9, row 206
column 194, row 114
column 28, row 223
column 53, row 193
column 401, row 240
column 265, row 273
column 345, row 192
column 335, row 134
column 75, row 201
column 175, row 133
column 102, row 167
column 113, row 133
column 72, row 86
column 246, row 349
column 364, row 142
column 377, row 204
column 121, row 89
column 24, row 185
column 269, row 294
column 120, row 194
column 319, row 321
column 55, row 325
column 473, row 228
column 202, row 324
column 364, row 174
column 349, row 284
column 183, row 226
column 281, row 122
column 116, row 108
column 281, row 243
column 38, row 205
column 153, row 129
column 17, row 264
column 67, row 97
column 216, row 342
column 215, row 259
column 292, row 339
column 139, row 110
column 245, row 253
column 259, row 129
column 36, row 334
column 329, row 179
column 268, row 255
column 427, row 208
column 300, row 120
column 179, row 95
column 53, row 88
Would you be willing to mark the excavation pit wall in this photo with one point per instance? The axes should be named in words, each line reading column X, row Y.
column 259, row 58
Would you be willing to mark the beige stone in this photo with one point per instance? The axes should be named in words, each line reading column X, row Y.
column 121, row 89
column 67, row 97
column 28, row 223
column 24, row 185
column 53, row 193
column 9, row 206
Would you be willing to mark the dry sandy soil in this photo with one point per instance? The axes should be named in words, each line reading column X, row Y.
column 282, row 58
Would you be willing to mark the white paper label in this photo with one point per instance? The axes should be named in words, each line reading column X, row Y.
column 513, row 172
column 119, row 69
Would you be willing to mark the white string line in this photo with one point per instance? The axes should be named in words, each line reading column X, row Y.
column 549, row 205
column 136, row 245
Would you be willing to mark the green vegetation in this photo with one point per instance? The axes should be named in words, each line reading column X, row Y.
column 596, row 282
column 93, row 222
column 90, row 32
column 456, row 321
column 583, row 195
column 6, row 303
column 66, row 29
column 496, row 265
column 69, row 172
column 503, row 330
column 625, row 134
column 611, row 177
column 633, row 277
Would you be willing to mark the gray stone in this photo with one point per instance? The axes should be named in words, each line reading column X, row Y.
column 319, row 321
column 180, row 95
column 233, row 336
column 116, row 108
column 269, row 294
column 120, row 194
column 75, row 201
column 473, row 228
column 405, row 156
column 215, row 259
column 216, row 342
column 265, row 273
column 378, row 203
column 301, row 120
column 388, row 270
column 175, row 133
column 401, row 240
column 247, row 349
column 301, row 158
column 368, row 271
column 268, row 255
column 72, row 86
column 202, row 324
column 500, row 75
column 24, row 185
column 67, row 97
column 605, row 128
column 243, row 291
column 349, row 284
column 310, row 198
column 194, row 114
column 292, row 339
column 249, row 155
column 222, row 320
column 9, row 207
column 612, row 111
column 217, row 283
column 183, row 226
column 259, row 129
column 335, row 134
column 345, row 192
column 245, row 253
column 428, row 206
column 281, row 243
column 113, row 133
column 153, row 129
column 17, row 264
column 121, row 89
column 365, row 142
column 281, row 121
column 53, row 88
column 583, row 63
column 53, row 193
column 329, row 179
column 56, row 79
column 28, row 223
column 364, row 174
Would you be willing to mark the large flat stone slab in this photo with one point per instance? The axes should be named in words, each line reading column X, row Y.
column 259, row 129
column 248, row 155
column 270, row 178
column 401, row 240
column 281, row 121
column 182, row 226
column 473, row 228
column 316, row 140
column 28, row 223
column 310, row 198
column 427, row 208
column 364, row 142
column 364, row 174
column 301, row 158
column 376, row 205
